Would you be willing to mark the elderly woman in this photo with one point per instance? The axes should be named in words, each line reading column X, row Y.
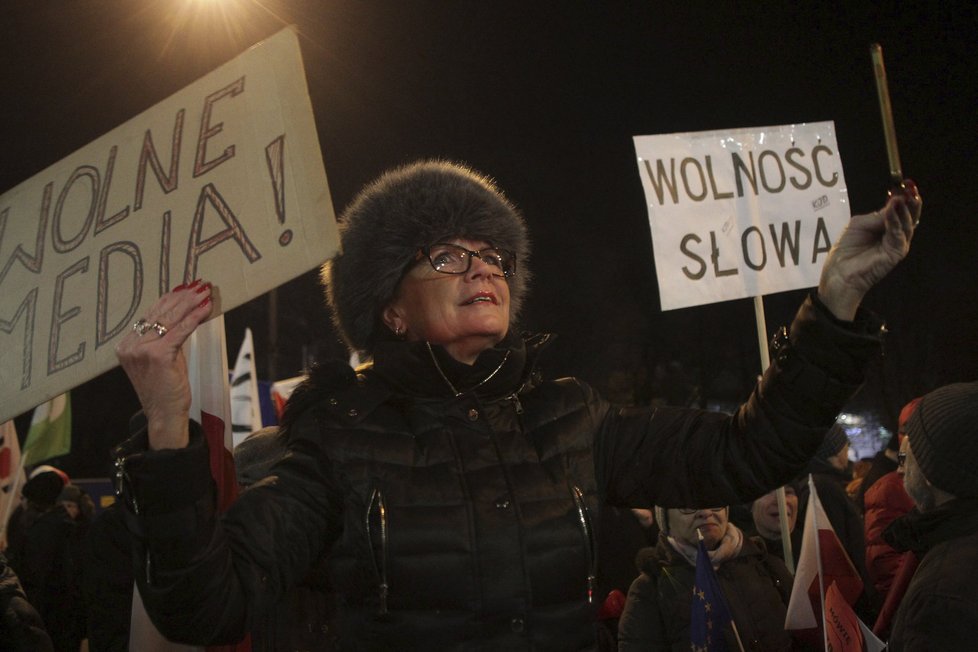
column 454, row 492
column 756, row 585
column 764, row 521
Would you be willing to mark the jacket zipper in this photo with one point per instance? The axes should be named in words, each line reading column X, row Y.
column 380, row 564
column 125, row 492
column 585, row 520
column 515, row 398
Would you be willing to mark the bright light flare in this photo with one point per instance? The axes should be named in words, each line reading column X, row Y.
column 205, row 27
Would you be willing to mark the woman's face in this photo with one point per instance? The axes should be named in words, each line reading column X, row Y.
column 711, row 522
column 840, row 460
column 766, row 516
column 71, row 508
column 466, row 313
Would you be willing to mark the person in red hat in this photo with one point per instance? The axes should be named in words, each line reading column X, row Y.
column 940, row 607
column 886, row 460
column 885, row 501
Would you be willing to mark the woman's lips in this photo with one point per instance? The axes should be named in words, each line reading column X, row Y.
column 481, row 297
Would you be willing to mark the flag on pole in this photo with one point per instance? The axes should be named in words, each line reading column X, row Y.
column 709, row 614
column 12, row 478
column 9, row 455
column 822, row 562
column 245, row 406
column 207, row 364
column 50, row 432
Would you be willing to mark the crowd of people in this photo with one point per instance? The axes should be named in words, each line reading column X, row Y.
column 448, row 495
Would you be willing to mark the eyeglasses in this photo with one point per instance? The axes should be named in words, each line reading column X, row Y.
column 688, row 511
column 455, row 259
column 901, row 459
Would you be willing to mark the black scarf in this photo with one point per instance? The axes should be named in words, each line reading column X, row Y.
column 921, row 531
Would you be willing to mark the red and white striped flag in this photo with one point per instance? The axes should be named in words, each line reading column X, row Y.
column 9, row 455
column 207, row 365
column 12, row 477
column 821, row 562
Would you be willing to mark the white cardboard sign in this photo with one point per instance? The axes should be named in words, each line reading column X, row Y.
column 741, row 212
column 223, row 181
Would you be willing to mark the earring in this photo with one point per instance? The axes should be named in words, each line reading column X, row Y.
column 399, row 332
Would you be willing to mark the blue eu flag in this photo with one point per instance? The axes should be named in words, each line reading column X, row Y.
column 710, row 613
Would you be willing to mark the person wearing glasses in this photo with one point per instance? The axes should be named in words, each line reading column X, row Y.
column 452, row 490
column 937, row 609
column 756, row 585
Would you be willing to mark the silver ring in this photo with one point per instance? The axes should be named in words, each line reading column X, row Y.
column 141, row 326
column 159, row 328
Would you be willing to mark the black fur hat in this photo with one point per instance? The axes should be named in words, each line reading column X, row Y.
column 392, row 218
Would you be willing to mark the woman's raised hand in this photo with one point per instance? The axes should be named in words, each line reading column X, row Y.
column 867, row 250
column 152, row 356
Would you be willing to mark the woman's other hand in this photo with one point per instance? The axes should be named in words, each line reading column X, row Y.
column 152, row 356
column 869, row 247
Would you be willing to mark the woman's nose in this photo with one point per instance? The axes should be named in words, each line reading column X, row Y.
column 479, row 268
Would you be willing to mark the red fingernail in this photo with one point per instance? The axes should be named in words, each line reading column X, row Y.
column 203, row 288
column 204, row 302
column 195, row 282
column 179, row 287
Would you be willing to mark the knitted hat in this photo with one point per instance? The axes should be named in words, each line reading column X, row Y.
column 43, row 488
column 44, row 468
column 392, row 218
column 894, row 442
column 835, row 439
column 943, row 433
column 906, row 412
column 257, row 454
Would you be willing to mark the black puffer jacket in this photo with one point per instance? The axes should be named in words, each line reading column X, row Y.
column 657, row 615
column 939, row 611
column 462, row 521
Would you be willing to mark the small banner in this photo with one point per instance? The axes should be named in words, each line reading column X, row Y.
column 741, row 212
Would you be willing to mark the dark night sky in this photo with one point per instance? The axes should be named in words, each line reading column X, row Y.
column 546, row 97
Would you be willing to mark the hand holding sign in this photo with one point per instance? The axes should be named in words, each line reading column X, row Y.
column 224, row 179
column 868, row 249
column 156, row 365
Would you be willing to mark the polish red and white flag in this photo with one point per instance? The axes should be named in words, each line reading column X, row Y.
column 821, row 562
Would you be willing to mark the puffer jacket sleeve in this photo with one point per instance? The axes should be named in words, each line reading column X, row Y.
column 885, row 501
column 678, row 457
column 206, row 578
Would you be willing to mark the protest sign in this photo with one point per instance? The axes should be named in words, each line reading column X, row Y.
column 224, row 181
column 742, row 212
